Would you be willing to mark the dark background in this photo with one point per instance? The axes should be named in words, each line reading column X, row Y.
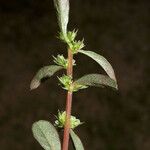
column 119, row 30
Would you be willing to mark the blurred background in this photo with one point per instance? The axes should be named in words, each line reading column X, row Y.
column 118, row 30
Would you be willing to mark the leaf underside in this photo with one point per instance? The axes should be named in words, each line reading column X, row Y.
column 76, row 141
column 97, row 80
column 62, row 7
column 101, row 61
column 44, row 72
column 45, row 133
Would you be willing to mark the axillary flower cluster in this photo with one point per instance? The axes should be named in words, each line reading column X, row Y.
column 73, row 44
column 61, row 117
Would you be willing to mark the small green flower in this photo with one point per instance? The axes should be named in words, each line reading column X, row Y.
column 68, row 84
column 77, row 45
column 72, row 35
column 61, row 61
column 77, row 87
column 66, row 81
column 73, row 44
column 60, row 122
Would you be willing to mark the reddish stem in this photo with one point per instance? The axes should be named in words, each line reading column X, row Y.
column 68, row 104
column 70, row 66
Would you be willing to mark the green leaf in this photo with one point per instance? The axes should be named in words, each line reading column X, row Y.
column 76, row 140
column 101, row 61
column 45, row 133
column 44, row 72
column 62, row 7
column 97, row 80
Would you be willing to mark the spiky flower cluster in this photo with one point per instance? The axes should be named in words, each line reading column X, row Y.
column 73, row 44
column 61, row 61
column 61, row 117
column 68, row 84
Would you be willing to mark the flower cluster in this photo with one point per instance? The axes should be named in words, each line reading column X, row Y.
column 68, row 84
column 61, row 61
column 60, row 122
column 73, row 44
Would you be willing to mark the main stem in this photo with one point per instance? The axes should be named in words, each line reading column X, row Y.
column 68, row 104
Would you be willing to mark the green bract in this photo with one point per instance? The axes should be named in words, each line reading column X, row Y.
column 77, row 45
column 72, row 35
column 60, row 122
column 61, row 61
column 66, row 81
column 68, row 84
column 78, row 86
column 74, row 45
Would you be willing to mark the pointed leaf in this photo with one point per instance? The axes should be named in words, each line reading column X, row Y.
column 62, row 7
column 76, row 141
column 101, row 61
column 44, row 72
column 97, row 80
column 45, row 133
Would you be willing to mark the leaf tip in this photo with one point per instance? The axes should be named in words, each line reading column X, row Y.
column 34, row 84
column 116, row 85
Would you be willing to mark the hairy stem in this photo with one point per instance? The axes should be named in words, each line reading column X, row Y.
column 68, row 104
